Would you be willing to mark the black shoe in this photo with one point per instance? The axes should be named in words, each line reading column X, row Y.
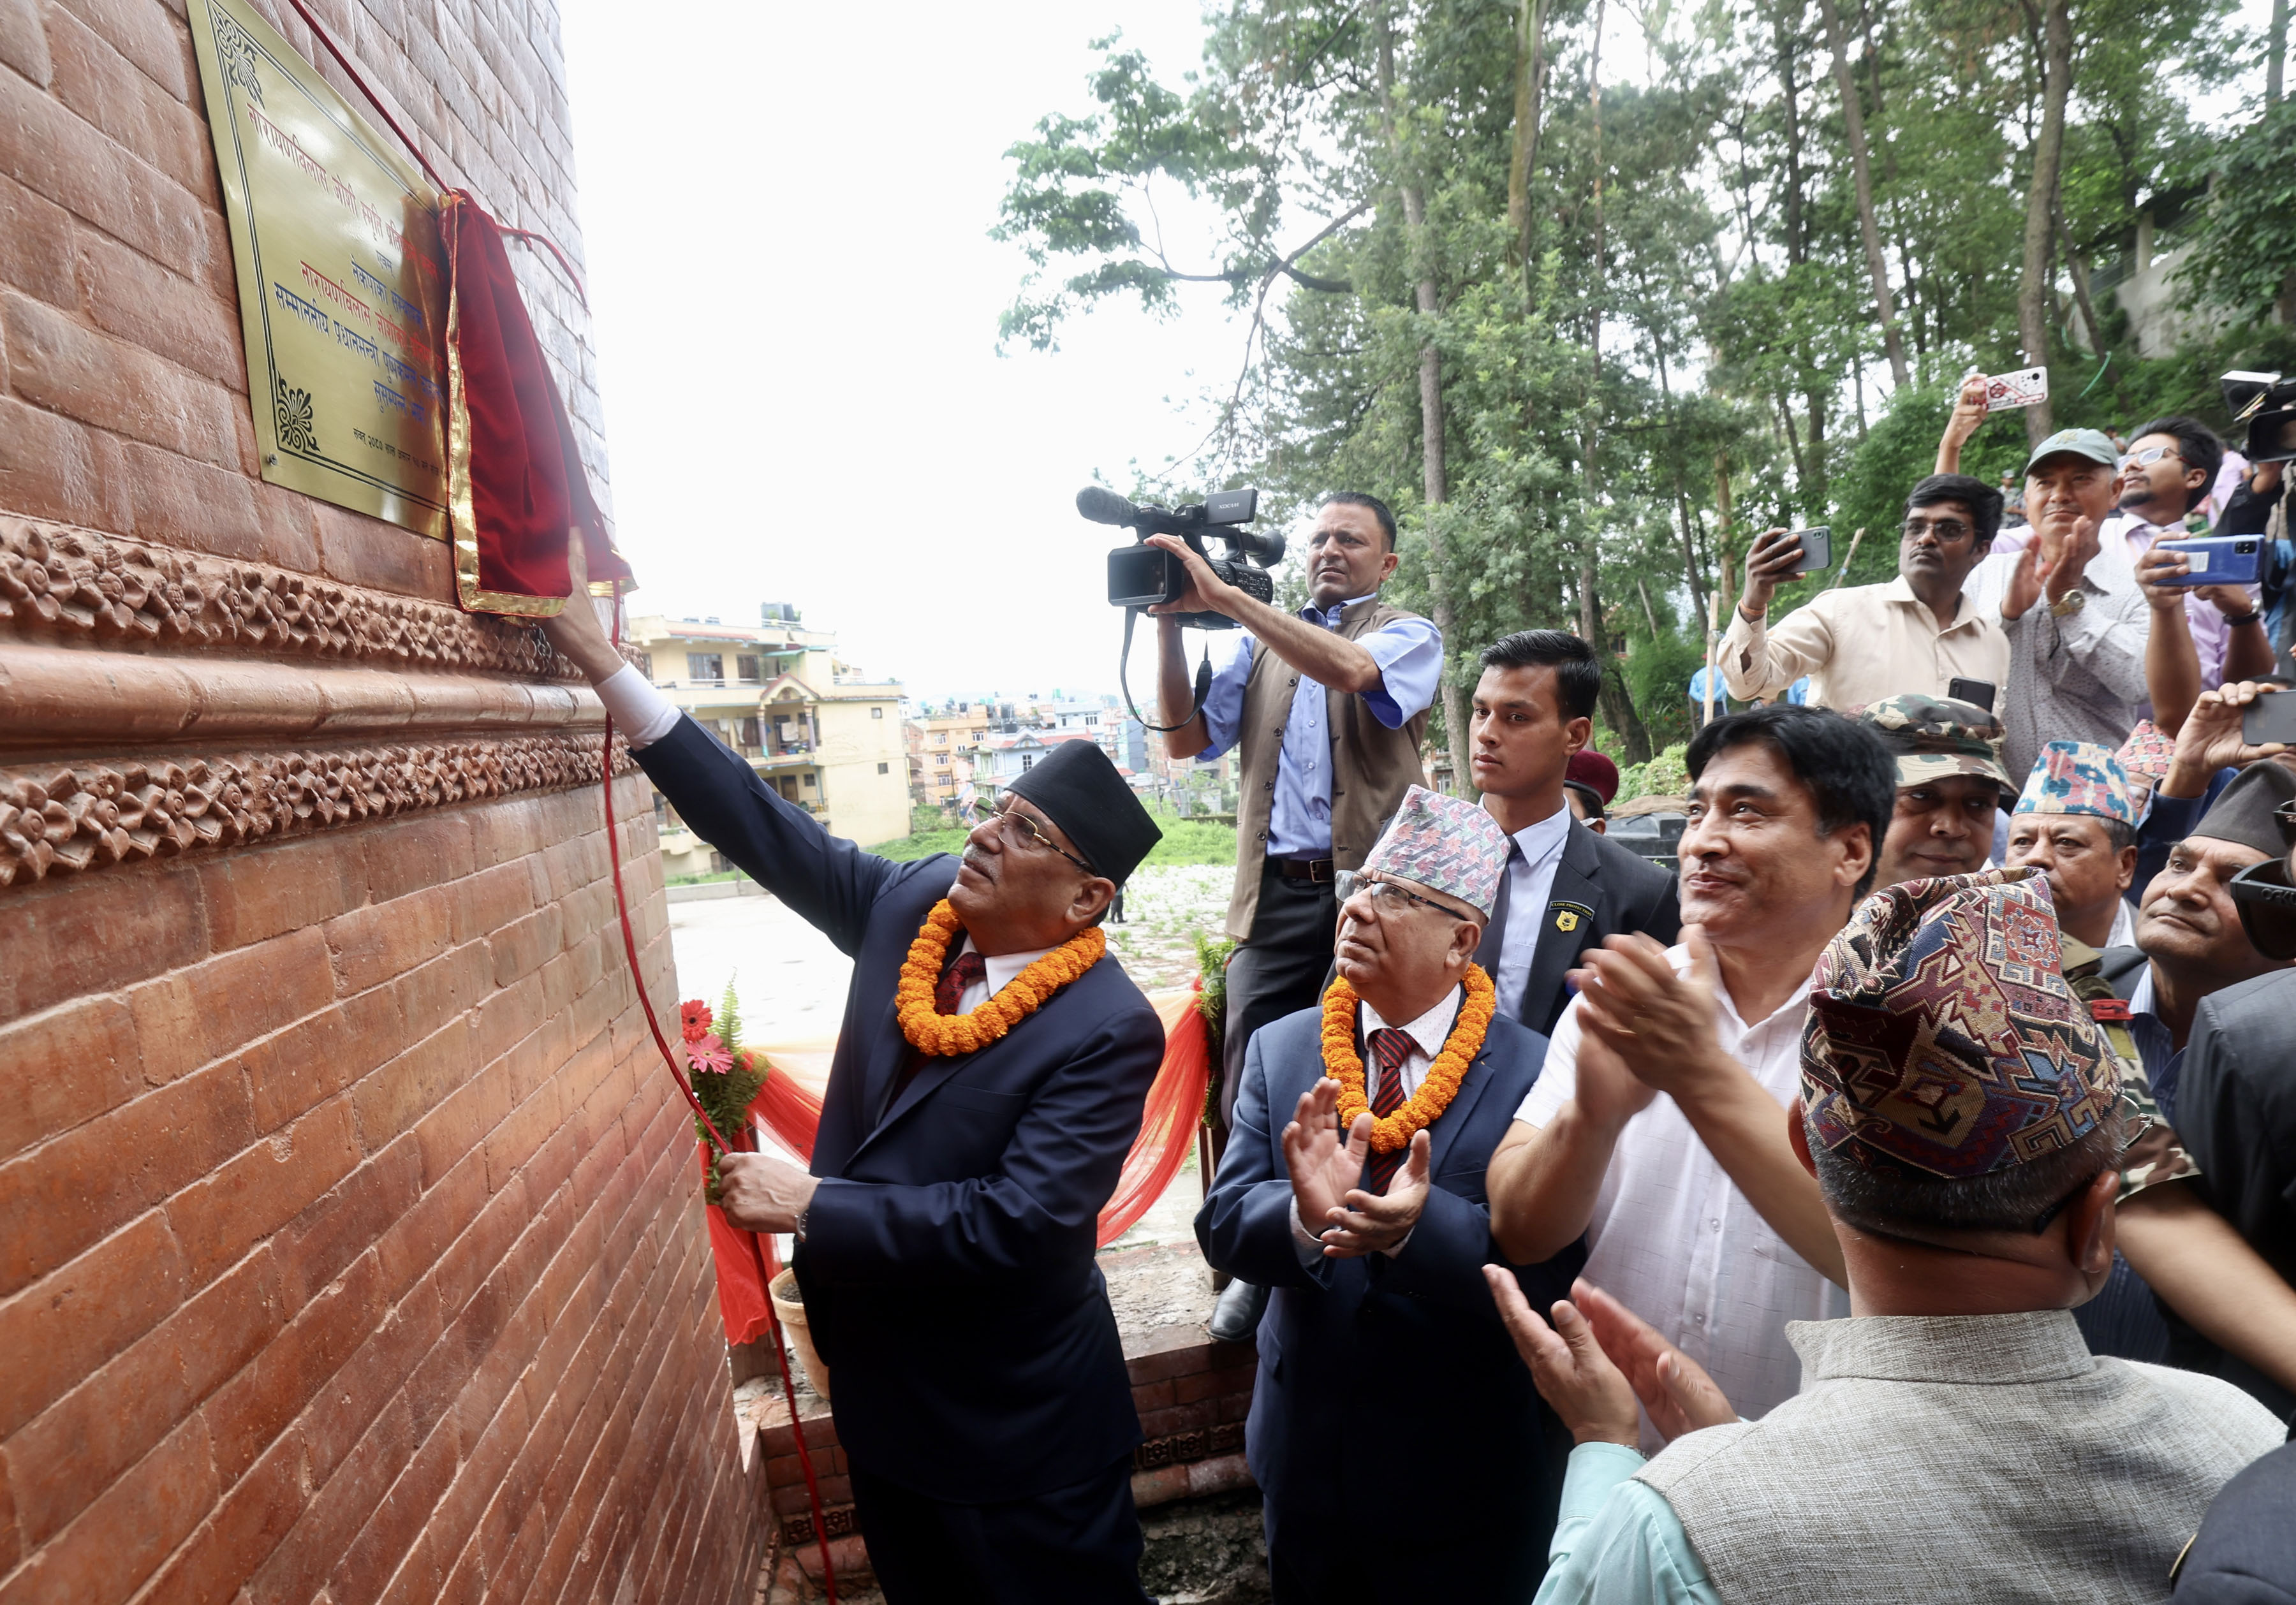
column 1237, row 1316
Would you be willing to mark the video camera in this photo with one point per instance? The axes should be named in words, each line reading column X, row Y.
column 1141, row 576
column 2267, row 404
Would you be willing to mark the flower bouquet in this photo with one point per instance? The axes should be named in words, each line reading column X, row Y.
column 726, row 1075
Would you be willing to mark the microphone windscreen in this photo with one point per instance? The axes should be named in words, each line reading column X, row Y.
column 1104, row 506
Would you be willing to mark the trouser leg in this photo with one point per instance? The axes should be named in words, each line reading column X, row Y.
column 1077, row 1545
column 1278, row 969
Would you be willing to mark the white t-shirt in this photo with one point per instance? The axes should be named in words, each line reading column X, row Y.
column 1673, row 1239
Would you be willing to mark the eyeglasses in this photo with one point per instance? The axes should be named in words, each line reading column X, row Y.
column 2266, row 902
column 1385, row 896
column 1033, row 835
column 1944, row 530
column 2148, row 456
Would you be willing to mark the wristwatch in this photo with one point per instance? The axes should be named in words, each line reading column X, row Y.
column 2069, row 604
column 797, row 1227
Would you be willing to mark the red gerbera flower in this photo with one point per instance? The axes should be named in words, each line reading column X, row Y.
column 693, row 1019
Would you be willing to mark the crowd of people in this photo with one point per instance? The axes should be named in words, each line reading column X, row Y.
column 1897, row 1201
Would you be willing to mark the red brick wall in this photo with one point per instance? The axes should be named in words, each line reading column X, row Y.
column 348, row 1246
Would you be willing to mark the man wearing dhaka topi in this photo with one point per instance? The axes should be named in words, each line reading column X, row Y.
column 988, row 1080
column 1395, row 1439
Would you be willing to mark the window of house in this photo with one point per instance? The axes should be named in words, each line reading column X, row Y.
column 806, row 783
column 707, row 667
column 884, row 768
column 746, row 664
column 941, row 758
column 876, row 713
column 980, row 734
column 940, row 738
column 1028, row 762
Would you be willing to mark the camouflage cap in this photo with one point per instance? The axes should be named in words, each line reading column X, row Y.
column 2096, row 446
column 1933, row 737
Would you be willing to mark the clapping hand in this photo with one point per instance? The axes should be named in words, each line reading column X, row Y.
column 2050, row 567
column 1573, row 1374
column 1325, row 1170
column 1659, row 1024
column 1370, row 1224
column 1674, row 1388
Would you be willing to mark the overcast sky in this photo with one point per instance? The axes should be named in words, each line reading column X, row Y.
column 785, row 210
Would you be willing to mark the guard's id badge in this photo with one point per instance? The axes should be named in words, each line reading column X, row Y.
column 1569, row 916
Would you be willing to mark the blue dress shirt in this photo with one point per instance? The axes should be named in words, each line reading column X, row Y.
column 1619, row 1542
column 1530, row 875
column 1409, row 653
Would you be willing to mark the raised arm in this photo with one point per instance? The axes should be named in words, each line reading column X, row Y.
column 1544, row 1177
column 1967, row 418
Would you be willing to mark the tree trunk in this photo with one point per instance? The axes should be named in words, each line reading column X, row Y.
column 1690, row 573
column 2079, row 271
column 1616, row 703
column 1853, row 125
column 1529, row 75
column 2275, row 51
column 2041, row 201
column 1435, row 484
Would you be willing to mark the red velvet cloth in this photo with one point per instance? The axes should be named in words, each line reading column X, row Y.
column 517, row 482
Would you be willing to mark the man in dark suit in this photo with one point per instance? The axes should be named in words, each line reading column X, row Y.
column 1397, row 1444
column 1566, row 888
column 946, row 1234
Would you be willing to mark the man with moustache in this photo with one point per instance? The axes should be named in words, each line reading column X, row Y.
column 1564, row 889
column 1324, row 710
column 1658, row 1127
column 1950, row 786
column 987, row 1083
column 2076, row 821
column 1354, row 1187
column 2074, row 615
column 1861, row 644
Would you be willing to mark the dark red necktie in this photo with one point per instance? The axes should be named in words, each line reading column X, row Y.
column 969, row 968
column 1390, row 1048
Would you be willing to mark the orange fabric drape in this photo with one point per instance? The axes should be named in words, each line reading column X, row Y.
column 741, row 1302
column 788, row 1107
column 1167, row 1124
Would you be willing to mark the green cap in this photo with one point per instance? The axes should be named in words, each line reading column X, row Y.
column 2096, row 446
column 1932, row 737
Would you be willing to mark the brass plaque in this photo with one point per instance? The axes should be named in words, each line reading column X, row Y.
column 342, row 290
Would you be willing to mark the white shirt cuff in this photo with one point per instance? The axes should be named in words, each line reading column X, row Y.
column 1305, row 1243
column 642, row 714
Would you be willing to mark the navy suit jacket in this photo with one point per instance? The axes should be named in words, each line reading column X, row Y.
column 948, row 1267
column 1603, row 888
column 1394, row 1379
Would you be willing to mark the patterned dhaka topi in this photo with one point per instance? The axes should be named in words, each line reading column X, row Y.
column 1933, row 737
column 1942, row 1037
column 2145, row 756
column 2080, row 777
column 1445, row 843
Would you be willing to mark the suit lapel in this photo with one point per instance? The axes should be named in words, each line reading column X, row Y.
column 1456, row 1119
column 1558, row 949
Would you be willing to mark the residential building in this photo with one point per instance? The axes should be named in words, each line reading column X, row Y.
column 941, row 743
column 1002, row 759
column 821, row 732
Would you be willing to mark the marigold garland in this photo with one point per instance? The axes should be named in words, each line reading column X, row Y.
column 1440, row 1085
column 930, row 1031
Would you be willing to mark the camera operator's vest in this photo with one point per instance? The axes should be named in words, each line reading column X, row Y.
column 1372, row 765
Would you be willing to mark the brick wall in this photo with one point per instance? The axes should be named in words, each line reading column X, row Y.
column 348, row 1242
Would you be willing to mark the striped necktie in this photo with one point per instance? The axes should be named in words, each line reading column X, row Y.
column 1390, row 1048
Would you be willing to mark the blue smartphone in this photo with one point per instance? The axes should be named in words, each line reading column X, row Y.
column 2219, row 560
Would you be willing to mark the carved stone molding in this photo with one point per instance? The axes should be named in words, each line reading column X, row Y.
column 69, row 582
column 90, row 817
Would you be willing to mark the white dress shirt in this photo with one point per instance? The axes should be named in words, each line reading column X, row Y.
column 1530, row 877
column 1001, row 972
column 1427, row 1034
column 1673, row 1239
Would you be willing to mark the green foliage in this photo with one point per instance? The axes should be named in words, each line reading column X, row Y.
column 725, row 1095
column 1212, row 953
column 1185, row 841
column 1665, row 775
column 927, row 817
column 1679, row 344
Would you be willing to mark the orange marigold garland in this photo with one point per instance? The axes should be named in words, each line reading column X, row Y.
column 930, row 1031
column 1440, row 1085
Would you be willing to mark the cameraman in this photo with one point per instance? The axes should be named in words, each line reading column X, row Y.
column 1325, row 709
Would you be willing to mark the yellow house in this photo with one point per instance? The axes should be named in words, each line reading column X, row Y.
column 941, row 749
column 821, row 732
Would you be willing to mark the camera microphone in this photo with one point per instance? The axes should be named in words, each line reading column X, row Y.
column 1100, row 505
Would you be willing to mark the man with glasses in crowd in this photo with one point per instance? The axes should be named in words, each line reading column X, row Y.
column 1862, row 643
column 1381, row 1349
column 2167, row 473
column 947, row 1225
column 1324, row 709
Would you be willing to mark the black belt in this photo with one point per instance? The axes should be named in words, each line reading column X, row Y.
column 1317, row 870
